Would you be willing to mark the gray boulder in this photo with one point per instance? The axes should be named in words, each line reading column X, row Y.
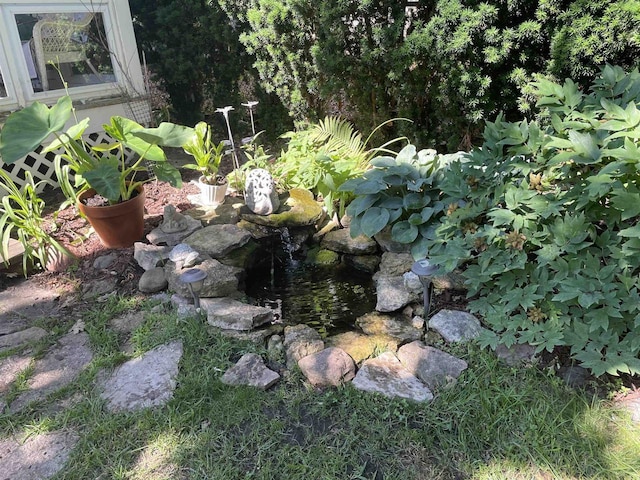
column 250, row 370
column 386, row 375
column 231, row 314
column 150, row 256
column 456, row 326
column 434, row 367
column 394, row 264
column 394, row 294
column 158, row 236
column 222, row 280
column 152, row 281
column 341, row 241
column 329, row 367
column 300, row 341
column 22, row 337
column 218, row 241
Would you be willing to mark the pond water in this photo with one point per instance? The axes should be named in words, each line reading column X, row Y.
column 327, row 298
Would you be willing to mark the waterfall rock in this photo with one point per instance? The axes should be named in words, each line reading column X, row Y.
column 341, row 241
column 146, row 381
column 150, row 256
column 300, row 341
column 218, row 241
column 222, row 280
column 386, row 375
column 456, row 326
column 261, row 196
column 152, row 281
column 298, row 209
column 250, row 370
column 398, row 327
column 231, row 314
column 434, row 367
column 329, row 367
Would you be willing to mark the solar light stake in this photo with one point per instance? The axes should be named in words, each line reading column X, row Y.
column 194, row 279
column 424, row 270
column 225, row 111
column 250, row 104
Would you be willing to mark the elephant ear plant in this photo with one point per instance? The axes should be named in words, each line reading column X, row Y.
column 102, row 167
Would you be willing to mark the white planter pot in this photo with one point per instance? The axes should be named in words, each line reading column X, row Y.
column 211, row 195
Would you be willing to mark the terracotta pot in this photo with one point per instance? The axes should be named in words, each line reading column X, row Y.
column 211, row 195
column 118, row 226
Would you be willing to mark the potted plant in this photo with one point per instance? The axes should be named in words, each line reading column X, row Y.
column 106, row 188
column 207, row 156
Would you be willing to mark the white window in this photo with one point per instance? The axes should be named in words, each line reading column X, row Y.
column 88, row 45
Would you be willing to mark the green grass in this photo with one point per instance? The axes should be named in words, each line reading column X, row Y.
column 497, row 422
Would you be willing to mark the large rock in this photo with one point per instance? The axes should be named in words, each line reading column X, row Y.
column 250, row 370
column 152, row 281
column 146, row 381
column 456, row 326
column 434, row 367
column 386, row 375
column 300, row 341
column 38, row 457
column 150, row 256
column 257, row 337
column 364, row 263
column 260, row 192
column 10, row 368
column 394, row 264
column 298, row 208
column 398, row 327
column 222, row 280
column 329, row 367
column 341, row 241
column 231, row 314
column 60, row 366
column 159, row 237
column 360, row 346
column 393, row 293
column 218, row 241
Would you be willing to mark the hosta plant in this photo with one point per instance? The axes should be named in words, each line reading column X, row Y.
column 400, row 193
column 547, row 224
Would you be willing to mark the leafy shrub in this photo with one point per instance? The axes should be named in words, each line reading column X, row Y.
column 547, row 224
column 399, row 193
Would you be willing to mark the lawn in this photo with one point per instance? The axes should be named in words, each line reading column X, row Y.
column 497, row 422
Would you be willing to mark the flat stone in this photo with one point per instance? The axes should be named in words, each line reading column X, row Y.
column 223, row 214
column 329, row 367
column 394, row 265
column 221, row 281
column 59, row 367
column 25, row 300
column 152, row 281
column 128, row 322
column 394, row 294
column 456, row 326
column 516, row 354
column 23, row 337
column 297, row 208
column 341, row 241
column 398, row 327
column 218, row 241
column 99, row 287
column 150, row 256
column 159, row 237
column 434, row 367
column 258, row 337
column 105, row 261
column 146, row 381
column 38, row 457
column 300, row 341
column 250, row 370
column 10, row 368
column 230, row 314
column 386, row 375
column 360, row 346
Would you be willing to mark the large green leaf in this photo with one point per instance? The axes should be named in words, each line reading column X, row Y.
column 105, row 179
column 374, row 220
column 404, row 232
column 166, row 134
column 165, row 172
column 121, row 128
column 25, row 129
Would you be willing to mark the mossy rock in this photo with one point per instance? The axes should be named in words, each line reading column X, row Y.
column 298, row 208
column 319, row 256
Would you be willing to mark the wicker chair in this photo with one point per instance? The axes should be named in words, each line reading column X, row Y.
column 56, row 40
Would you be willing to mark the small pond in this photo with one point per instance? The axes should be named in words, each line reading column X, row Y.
column 328, row 298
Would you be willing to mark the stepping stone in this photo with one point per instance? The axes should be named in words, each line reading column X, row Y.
column 386, row 375
column 146, row 381
column 434, row 367
column 251, row 371
column 17, row 339
column 26, row 301
column 39, row 457
column 10, row 367
column 456, row 326
column 59, row 367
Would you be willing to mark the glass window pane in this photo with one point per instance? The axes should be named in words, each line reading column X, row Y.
column 3, row 89
column 75, row 42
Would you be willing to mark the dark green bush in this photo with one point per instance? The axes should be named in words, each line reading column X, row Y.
column 548, row 225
